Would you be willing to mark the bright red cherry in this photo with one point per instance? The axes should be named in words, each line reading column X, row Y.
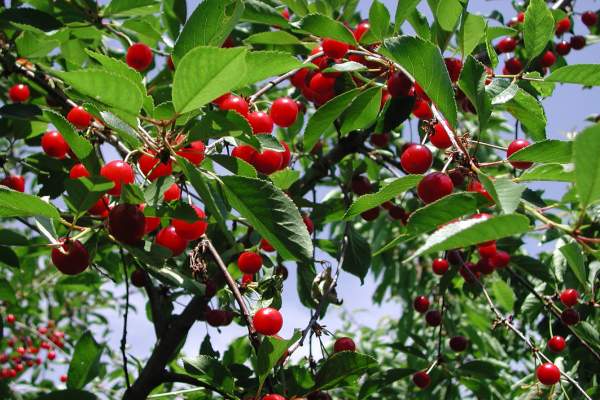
column 64, row 378
column 569, row 297
column 589, row 18
column 398, row 84
column 380, row 139
column 421, row 304
column 361, row 29
column 193, row 152
column 434, row 186
column 514, row 66
column 235, row 103
column 168, row 237
column 10, row 318
column 310, row 226
column 487, row 249
column 506, row 45
column 268, row 161
column 440, row 266
column 139, row 56
column 548, row 374
column 153, row 167
column 563, row 26
column 569, row 316
column 138, row 278
column 126, row 222
column 191, row 230
column 173, row 193
column 334, row 49
column 477, row 187
column 286, row 155
column 563, row 47
column 19, row 93
column 556, row 344
column 267, row 321
column 285, row 13
column 249, row 262
column 322, row 83
column 578, row 42
column 71, row 258
column 433, row 318
column 421, row 379
column 51, row 355
column 244, row 152
column 459, row 343
column 439, row 137
column 119, row 172
column 54, row 145
column 260, row 122
column 548, row 59
column 515, row 146
column 266, row 246
column 300, row 78
column 273, row 397
column 150, row 223
column 79, row 117
column 361, row 185
column 500, row 259
column 101, row 207
column 416, row 159
column 454, row 66
column 79, row 171
column 15, row 182
column 284, row 112
column 422, row 110
column 344, row 344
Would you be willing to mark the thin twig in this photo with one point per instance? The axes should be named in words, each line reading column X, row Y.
column 125, row 317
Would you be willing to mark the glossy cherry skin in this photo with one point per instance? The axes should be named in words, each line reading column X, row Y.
column 286, row 155
column 488, row 249
column 334, row 49
column 126, row 223
column 244, row 152
column 139, row 56
column 249, row 262
column 439, row 137
column 268, row 161
column 235, row 103
column 151, row 223
column 74, row 260
column 173, row 193
column 569, row 297
column 191, row 230
column 422, row 110
column 548, row 59
column 454, row 66
column 272, row 396
column 556, row 344
column 284, row 112
column 266, row 246
column 433, row 318
column 578, row 42
column 119, row 172
column 193, row 152
column 54, row 145
column 563, row 48
column 168, row 237
column 434, row 186
column 153, row 167
column 138, row 278
column 506, row 45
column 421, row 379
column 563, row 26
column 589, row 18
column 421, row 304
column 459, row 343
column 548, row 374
column 19, row 93
column 322, row 83
column 569, row 316
column 344, row 344
column 80, row 118
column 79, row 171
column 15, row 182
column 500, row 259
column 416, row 159
column 398, row 84
column 440, row 266
column 513, row 66
column 260, row 122
column 476, row 186
column 361, row 29
column 267, row 321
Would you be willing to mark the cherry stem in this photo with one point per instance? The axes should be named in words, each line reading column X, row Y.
column 488, row 145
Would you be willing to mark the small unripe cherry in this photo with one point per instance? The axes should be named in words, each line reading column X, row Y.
column 78, row 171
column 439, row 137
column 344, row 344
column 126, row 223
column 589, row 18
column 15, row 182
column 193, row 152
column 139, row 56
column 421, row 379
column 19, row 93
column 459, row 343
column 569, row 316
column 119, row 172
column 284, row 112
column 79, row 117
column 191, row 230
column 334, row 49
column 54, row 145
column 260, row 122
column 249, row 262
column 569, row 297
column 548, row 374
column 153, row 167
column 244, row 152
column 267, row 321
column 433, row 318
column 421, row 304
column 235, row 103
column 416, row 159
column 168, row 237
column 440, row 266
column 556, row 344
column 72, row 258
column 434, row 186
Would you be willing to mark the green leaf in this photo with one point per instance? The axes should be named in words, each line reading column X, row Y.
column 68, row 394
column 284, row 178
column 530, row 113
column 587, row 165
column 473, row 231
column 85, row 192
column 358, row 255
column 529, row 265
column 261, row 65
column 106, row 87
column 7, row 293
column 379, row 19
column 211, row 372
column 273, row 37
column 17, row 204
column 447, row 13
column 425, row 63
column 502, row 90
column 262, row 13
column 9, row 237
column 472, row 82
column 387, row 192
column 21, row 111
column 538, row 28
column 9, row 257
column 206, row 73
column 480, row 368
column 504, row 295
column 202, row 29
column 349, row 66
column 472, row 32
column 220, row 123
column 322, row 119
column 491, row 52
column 340, row 366
column 234, row 164
column 271, row 350
column 132, row 194
column 84, row 364
column 576, row 261
column 131, row 7
column 325, row 27
column 546, row 151
column 79, row 283
column 272, row 213
column 363, row 111
column 504, row 191
column 582, row 74
column 403, row 10
column 588, row 333
column 176, row 279
column 548, row 172
column 154, row 192
column 419, row 23
column 377, row 382
column 120, row 68
column 30, row 16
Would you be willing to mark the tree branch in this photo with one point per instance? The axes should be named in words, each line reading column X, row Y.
column 125, row 317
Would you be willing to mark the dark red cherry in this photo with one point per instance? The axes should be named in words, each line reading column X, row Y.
column 416, row 159
column 563, row 26
column 421, row 304
column 563, row 47
column 459, row 343
column 422, row 110
column 514, row 66
column 578, row 42
column 433, row 318
column 454, row 66
column 126, row 223
column 548, row 59
column 138, row 278
column 399, row 84
column 439, row 137
column 569, row 316
column 344, row 344
column 434, row 186
column 589, row 18
column 71, row 258
column 569, row 297
column 361, row 185
column 506, row 45
column 440, row 266
column 421, row 379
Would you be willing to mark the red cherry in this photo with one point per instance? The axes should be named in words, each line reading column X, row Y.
column 168, row 237
column 454, row 66
column 439, row 137
column 10, row 319
column 500, row 259
column 151, row 223
column 63, row 378
column 370, row 214
column 286, row 155
column 513, row 66
column 235, row 103
column 267, row 321
column 433, row 318
column 421, row 379
column 416, row 159
column 440, row 266
column 578, row 42
column 216, row 317
column 54, row 145
column 191, row 230
column 398, row 213
column 73, row 259
column 548, row 59
column 487, row 250
column 521, row 16
column 310, row 226
column 361, row 29
column 344, row 344
column 173, row 193
column 245, row 152
column 477, row 187
column 361, row 185
column 221, row 99
column 556, row 344
column 101, row 207
column 434, row 186
column 320, row 62
column 459, row 343
column 273, row 397
column 285, row 13
column 138, row 278
column 126, row 223
column 457, row 177
column 139, row 56
column 299, row 78
column 563, row 25
column 321, row 83
column 380, row 139
column 266, row 246
column 548, row 374
column 484, row 266
column 260, row 122
column 334, row 49
column 563, row 48
column 421, row 304
column 506, row 45
column 19, row 93
column 268, row 161
column 79, row 117
column 15, row 182
column 589, row 18
column 569, row 316
column 193, row 152
column 284, row 112
column 249, row 262
column 399, row 84
column 422, row 110
column 119, row 172
column 153, row 166
column 79, row 171
column 170, row 63
column 569, row 297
